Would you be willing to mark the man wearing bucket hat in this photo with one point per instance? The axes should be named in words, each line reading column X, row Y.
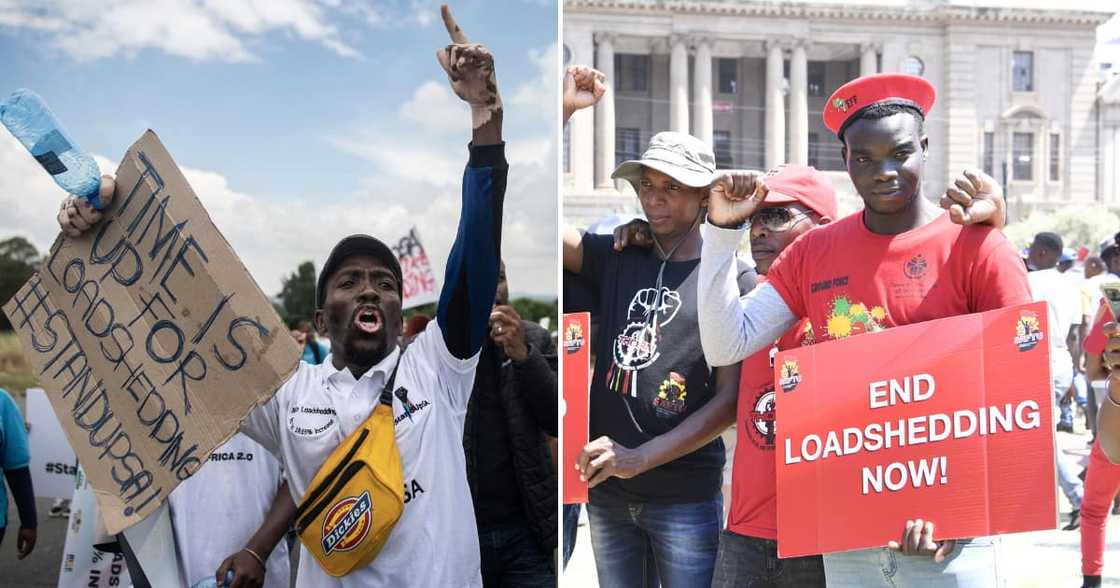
column 358, row 302
column 879, row 120
column 657, row 407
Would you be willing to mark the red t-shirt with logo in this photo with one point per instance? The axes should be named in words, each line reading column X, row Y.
column 847, row 280
column 754, row 507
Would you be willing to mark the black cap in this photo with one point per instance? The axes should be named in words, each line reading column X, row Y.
column 349, row 247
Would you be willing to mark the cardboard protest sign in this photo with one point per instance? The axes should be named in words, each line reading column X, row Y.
column 419, row 285
column 948, row 421
column 150, row 338
column 577, row 386
column 53, row 464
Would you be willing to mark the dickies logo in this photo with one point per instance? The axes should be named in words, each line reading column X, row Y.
column 1027, row 331
column 573, row 338
column 916, row 267
column 347, row 523
column 842, row 104
column 790, row 375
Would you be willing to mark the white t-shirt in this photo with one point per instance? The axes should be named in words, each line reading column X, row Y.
column 1063, row 298
column 435, row 542
column 217, row 510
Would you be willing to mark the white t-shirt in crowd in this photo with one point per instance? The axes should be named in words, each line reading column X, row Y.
column 1063, row 298
column 435, row 542
column 217, row 510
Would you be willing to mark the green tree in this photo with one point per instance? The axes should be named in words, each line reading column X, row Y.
column 1078, row 225
column 297, row 294
column 534, row 310
column 18, row 260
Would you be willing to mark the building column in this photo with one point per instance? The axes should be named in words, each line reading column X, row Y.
column 799, row 105
column 702, row 91
column 868, row 59
column 581, row 127
column 775, row 106
column 678, row 84
column 604, row 113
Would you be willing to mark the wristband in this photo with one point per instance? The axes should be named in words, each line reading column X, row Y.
column 255, row 556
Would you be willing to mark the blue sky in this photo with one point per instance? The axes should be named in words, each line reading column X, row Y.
column 296, row 121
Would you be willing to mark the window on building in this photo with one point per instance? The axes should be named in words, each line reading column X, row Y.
column 914, row 66
column 989, row 153
column 627, row 144
column 631, row 72
column 728, row 75
column 1055, row 157
column 721, row 143
column 814, row 150
column 815, row 76
column 1022, row 156
column 1022, row 71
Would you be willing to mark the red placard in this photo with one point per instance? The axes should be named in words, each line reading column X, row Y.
column 972, row 395
column 576, row 350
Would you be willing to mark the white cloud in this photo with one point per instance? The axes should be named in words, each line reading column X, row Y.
column 436, row 109
column 209, row 30
column 541, row 92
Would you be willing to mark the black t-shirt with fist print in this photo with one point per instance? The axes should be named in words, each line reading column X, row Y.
column 650, row 371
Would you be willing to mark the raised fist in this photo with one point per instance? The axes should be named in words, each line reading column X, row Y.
column 975, row 198
column 583, row 87
column 734, row 196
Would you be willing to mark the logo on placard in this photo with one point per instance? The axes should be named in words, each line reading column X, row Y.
column 573, row 338
column 1027, row 331
column 790, row 375
column 347, row 523
column 916, row 267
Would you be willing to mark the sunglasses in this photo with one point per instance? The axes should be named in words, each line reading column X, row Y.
column 777, row 219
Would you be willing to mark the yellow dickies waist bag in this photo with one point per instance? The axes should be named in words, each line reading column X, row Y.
column 357, row 495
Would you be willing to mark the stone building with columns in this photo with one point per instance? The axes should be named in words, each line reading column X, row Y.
column 1017, row 88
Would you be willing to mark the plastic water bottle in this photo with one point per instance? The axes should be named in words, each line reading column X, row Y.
column 209, row 582
column 31, row 121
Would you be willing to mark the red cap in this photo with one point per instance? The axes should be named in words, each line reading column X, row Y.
column 804, row 184
column 862, row 92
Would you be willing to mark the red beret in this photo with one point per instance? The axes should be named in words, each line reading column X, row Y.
column 804, row 184
column 862, row 92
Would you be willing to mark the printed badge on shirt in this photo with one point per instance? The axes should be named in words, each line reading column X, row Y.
column 636, row 347
column 308, row 421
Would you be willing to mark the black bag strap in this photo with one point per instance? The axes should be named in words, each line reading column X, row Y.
column 387, row 390
column 316, row 352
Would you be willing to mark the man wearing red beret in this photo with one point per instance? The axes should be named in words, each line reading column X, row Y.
column 886, row 259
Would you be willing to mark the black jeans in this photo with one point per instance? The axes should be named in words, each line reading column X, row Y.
column 512, row 558
column 751, row 562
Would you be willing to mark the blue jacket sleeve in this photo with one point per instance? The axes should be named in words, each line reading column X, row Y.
column 471, row 280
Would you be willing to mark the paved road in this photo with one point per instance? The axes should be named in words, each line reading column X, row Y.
column 1044, row 559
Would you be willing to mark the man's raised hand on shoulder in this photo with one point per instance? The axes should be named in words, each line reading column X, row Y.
column 76, row 215
column 470, row 69
column 583, row 87
column 974, row 198
column 734, row 196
